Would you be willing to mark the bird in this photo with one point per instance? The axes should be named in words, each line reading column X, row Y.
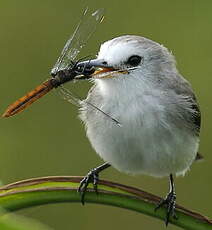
column 136, row 82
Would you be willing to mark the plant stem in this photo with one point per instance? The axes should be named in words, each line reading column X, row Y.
column 47, row 190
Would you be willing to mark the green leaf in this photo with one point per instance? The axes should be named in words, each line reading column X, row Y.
column 46, row 190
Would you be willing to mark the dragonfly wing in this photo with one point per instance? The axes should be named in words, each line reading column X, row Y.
column 77, row 41
column 75, row 100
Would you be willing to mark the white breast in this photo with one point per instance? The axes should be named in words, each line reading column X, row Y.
column 146, row 142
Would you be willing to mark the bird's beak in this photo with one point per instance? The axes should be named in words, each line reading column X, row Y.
column 100, row 66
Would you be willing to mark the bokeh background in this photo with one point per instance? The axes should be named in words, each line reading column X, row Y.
column 49, row 139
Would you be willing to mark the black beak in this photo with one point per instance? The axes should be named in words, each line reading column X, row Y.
column 90, row 68
column 94, row 63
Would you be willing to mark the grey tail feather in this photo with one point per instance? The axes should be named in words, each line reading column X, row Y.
column 199, row 157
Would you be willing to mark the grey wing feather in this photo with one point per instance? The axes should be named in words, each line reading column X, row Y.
column 182, row 87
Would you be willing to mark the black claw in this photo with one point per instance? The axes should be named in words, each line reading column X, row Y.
column 91, row 177
column 169, row 202
column 95, row 182
column 82, row 189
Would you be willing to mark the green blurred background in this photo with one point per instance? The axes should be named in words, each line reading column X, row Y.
column 49, row 139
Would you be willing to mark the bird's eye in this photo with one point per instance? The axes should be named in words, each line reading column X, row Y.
column 134, row 60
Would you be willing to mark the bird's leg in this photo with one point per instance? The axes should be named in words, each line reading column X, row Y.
column 169, row 201
column 91, row 177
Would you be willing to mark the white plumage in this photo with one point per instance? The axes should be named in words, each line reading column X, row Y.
column 155, row 106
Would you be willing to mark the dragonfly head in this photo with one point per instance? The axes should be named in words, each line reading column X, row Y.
column 62, row 77
column 90, row 67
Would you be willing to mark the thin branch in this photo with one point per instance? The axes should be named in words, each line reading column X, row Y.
column 57, row 189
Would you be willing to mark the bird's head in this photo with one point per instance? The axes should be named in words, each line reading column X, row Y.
column 131, row 60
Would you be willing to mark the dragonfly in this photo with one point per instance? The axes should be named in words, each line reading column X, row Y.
column 66, row 68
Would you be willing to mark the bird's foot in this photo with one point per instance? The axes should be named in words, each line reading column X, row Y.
column 169, row 202
column 91, row 177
